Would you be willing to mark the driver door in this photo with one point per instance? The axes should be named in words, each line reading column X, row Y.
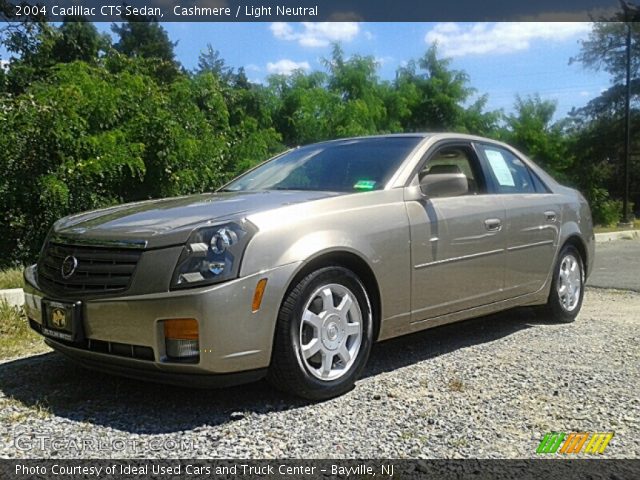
column 457, row 242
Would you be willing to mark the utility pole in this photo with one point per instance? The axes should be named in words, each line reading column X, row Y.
column 631, row 14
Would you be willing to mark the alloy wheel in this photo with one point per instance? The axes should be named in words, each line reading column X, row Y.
column 330, row 332
column 569, row 282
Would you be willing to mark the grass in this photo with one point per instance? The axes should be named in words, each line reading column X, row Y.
column 19, row 412
column 16, row 338
column 11, row 278
column 615, row 228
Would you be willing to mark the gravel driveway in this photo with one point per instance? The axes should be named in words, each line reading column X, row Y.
column 489, row 387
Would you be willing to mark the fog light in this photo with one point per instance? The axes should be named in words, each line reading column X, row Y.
column 181, row 338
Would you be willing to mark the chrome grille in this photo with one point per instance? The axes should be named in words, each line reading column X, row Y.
column 99, row 271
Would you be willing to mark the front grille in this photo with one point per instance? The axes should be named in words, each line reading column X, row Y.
column 99, row 271
column 121, row 349
column 138, row 352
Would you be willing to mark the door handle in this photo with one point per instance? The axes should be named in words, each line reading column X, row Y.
column 550, row 215
column 493, row 224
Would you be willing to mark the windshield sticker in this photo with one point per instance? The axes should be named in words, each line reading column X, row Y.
column 364, row 185
column 500, row 168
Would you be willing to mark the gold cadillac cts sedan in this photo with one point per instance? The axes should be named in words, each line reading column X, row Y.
column 295, row 268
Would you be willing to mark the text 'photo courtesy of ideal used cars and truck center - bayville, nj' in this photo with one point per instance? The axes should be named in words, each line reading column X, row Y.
column 319, row 240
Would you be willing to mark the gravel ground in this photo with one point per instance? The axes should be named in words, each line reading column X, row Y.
column 484, row 388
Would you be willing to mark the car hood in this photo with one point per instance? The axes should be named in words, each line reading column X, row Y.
column 157, row 223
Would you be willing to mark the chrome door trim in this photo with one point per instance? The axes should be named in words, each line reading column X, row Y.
column 530, row 245
column 457, row 259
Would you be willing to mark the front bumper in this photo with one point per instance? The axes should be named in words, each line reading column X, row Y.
column 232, row 338
column 147, row 371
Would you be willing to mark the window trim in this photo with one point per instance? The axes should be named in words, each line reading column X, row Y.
column 537, row 178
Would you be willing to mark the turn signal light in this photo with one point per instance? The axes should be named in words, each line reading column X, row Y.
column 257, row 296
column 181, row 329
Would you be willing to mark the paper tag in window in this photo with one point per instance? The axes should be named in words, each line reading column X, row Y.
column 500, row 168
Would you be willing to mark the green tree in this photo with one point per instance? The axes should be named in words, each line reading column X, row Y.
column 211, row 61
column 439, row 94
column 436, row 95
column 599, row 125
column 531, row 129
column 355, row 82
column 30, row 45
column 305, row 109
column 604, row 48
column 37, row 46
column 143, row 37
column 79, row 39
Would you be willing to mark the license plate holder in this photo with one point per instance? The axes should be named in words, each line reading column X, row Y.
column 62, row 320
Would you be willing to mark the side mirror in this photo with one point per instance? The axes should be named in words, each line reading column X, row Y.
column 444, row 184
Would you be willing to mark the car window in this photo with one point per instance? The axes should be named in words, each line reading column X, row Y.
column 509, row 173
column 453, row 160
column 343, row 166
column 540, row 187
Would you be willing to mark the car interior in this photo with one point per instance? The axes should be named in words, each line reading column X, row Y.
column 451, row 160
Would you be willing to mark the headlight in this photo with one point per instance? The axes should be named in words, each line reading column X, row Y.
column 212, row 255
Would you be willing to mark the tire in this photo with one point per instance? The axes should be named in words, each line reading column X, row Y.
column 564, row 302
column 322, row 340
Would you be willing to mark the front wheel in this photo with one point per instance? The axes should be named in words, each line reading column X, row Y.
column 567, row 287
column 324, row 334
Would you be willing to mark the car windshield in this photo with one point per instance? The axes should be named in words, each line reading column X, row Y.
column 343, row 166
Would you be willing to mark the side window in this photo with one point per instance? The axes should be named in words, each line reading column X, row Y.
column 540, row 187
column 455, row 160
column 509, row 173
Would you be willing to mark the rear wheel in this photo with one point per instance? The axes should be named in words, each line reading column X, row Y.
column 567, row 288
column 323, row 336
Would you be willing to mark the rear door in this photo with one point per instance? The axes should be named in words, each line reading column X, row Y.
column 457, row 243
column 532, row 219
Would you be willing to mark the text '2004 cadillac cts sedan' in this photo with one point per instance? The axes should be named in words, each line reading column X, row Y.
column 295, row 268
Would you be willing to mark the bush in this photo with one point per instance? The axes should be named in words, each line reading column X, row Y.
column 608, row 212
column 605, row 210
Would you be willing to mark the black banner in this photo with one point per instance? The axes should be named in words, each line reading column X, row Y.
column 311, row 10
column 321, row 469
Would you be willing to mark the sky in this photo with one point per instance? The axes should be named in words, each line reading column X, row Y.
column 502, row 59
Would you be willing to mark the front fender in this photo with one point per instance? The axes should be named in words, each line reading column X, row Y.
column 316, row 244
column 374, row 226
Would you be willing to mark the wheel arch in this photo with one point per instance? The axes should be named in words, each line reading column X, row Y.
column 353, row 262
column 578, row 243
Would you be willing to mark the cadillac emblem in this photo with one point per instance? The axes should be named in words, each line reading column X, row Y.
column 69, row 265
column 58, row 318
